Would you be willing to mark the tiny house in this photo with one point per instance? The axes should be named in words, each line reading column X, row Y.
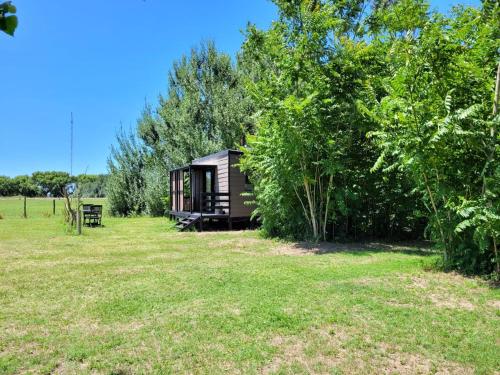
column 209, row 190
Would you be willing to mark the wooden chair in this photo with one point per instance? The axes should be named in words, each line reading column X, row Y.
column 92, row 215
column 87, row 213
column 96, row 214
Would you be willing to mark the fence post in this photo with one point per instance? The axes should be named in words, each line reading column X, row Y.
column 53, row 207
column 78, row 218
column 24, row 208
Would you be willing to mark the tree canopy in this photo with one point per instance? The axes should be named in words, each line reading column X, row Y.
column 52, row 182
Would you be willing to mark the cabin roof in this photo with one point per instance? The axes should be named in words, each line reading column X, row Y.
column 218, row 154
column 193, row 166
column 194, row 163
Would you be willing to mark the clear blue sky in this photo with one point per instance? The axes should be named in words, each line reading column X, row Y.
column 101, row 60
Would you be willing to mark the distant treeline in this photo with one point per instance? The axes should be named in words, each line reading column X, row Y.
column 51, row 183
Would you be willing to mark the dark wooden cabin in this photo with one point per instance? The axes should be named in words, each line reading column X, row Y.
column 209, row 190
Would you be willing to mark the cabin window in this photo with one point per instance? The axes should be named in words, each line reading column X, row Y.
column 209, row 177
column 187, row 184
column 248, row 184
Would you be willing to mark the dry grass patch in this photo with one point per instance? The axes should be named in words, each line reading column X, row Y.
column 308, row 248
column 339, row 349
column 451, row 302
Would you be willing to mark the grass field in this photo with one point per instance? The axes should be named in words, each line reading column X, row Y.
column 137, row 297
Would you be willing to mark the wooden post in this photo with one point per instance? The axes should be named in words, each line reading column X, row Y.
column 53, row 207
column 78, row 218
column 24, row 210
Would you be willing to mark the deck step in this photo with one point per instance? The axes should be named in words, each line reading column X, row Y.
column 188, row 222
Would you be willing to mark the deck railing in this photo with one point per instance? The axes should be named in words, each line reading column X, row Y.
column 186, row 204
column 215, row 201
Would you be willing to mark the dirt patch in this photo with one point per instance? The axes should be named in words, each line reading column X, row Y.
column 451, row 302
column 323, row 350
column 405, row 363
column 419, row 282
column 400, row 305
column 63, row 368
column 308, row 248
column 495, row 304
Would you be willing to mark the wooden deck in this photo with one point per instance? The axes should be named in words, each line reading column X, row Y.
column 183, row 214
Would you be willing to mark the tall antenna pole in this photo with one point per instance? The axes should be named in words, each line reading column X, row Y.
column 71, row 147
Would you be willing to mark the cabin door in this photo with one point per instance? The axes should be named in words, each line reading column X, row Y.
column 203, row 182
column 208, row 187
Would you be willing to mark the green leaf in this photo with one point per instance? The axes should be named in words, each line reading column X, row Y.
column 8, row 24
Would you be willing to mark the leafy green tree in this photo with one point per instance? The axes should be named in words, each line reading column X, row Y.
column 25, row 186
column 8, row 19
column 7, row 186
column 436, row 123
column 156, row 189
column 310, row 158
column 92, row 186
column 205, row 110
column 125, row 184
column 52, row 182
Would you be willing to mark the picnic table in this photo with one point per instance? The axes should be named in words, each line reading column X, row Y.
column 92, row 215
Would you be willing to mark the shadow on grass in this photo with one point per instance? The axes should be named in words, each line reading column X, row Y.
column 363, row 248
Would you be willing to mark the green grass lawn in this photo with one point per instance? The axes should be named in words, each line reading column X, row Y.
column 137, row 297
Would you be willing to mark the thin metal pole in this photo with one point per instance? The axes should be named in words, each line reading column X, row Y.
column 71, row 147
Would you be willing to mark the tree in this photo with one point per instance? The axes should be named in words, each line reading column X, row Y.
column 435, row 123
column 125, row 184
column 205, row 110
column 310, row 158
column 52, row 182
column 8, row 20
column 7, row 186
column 25, row 186
column 92, row 186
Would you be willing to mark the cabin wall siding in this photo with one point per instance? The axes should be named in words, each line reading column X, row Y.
column 221, row 173
column 221, row 177
column 237, row 179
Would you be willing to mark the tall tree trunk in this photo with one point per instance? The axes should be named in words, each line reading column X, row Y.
column 312, row 209
column 330, row 181
column 434, row 207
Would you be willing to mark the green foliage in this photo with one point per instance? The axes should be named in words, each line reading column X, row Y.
column 204, row 111
column 310, row 158
column 377, row 120
column 435, row 123
column 7, row 186
column 156, row 190
column 8, row 19
column 125, row 184
column 92, row 186
column 138, row 181
column 51, row 182
column 26, row 186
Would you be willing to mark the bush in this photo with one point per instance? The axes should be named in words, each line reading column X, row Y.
column 125, row 185
column 156, row 190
